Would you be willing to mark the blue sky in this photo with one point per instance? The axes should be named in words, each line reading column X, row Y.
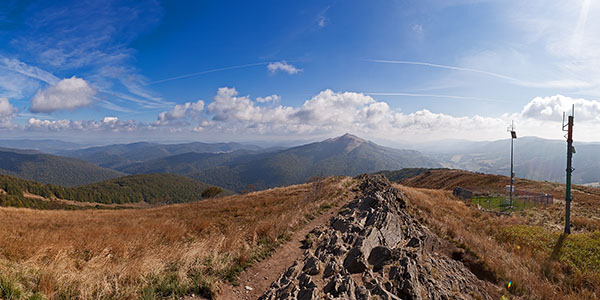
column 285, row 70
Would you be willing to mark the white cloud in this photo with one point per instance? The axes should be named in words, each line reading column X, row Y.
column 107, row 124
column 180, row 112
column 67, row 94
column 282, row 66
column 7, row 113
column 552, row 108
column 417, row 29
column 110, row 119
column 331, row 113
column 272, row 98
column 20, row 67
column 321, row 21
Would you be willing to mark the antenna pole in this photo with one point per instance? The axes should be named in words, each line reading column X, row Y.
column 569, row 171
column 513, row 134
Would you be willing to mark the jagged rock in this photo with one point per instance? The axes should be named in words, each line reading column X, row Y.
column 308, row 294
column 374, row 236
column 312, row 266
column 414, row 242
column 354, row 262
column 379, row 256
column 330, row 268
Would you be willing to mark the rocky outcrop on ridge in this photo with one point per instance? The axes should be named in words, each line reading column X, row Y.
column 375, row 250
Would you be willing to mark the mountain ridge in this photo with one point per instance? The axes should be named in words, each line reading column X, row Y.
column 343, row 155
column 49, row 168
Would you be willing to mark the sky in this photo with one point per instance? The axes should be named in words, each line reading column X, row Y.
column 389, row 71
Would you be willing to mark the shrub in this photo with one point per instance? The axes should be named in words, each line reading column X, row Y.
column 211, row 192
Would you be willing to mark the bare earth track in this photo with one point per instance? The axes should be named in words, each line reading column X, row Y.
column 260, row 275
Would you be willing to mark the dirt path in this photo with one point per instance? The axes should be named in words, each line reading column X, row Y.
column 260, row 275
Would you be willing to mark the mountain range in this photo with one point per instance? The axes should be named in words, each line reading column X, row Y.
column 230, row 165
column 115, row 156
column 240, row 167
column 534, row 158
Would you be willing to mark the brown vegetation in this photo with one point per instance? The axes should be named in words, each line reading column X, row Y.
column 168, row 251
column 526, row 248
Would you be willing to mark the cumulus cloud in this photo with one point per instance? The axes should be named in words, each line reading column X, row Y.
column 552, row 108
column 228, row 107
column 331, row 112
column 7, row 113
column 107, row 124
column 180, row 112
column 272, row 98
column 283, row 66
column 67, row 94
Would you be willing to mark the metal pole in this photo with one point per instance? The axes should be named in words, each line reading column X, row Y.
column 512, row 173
column 513, row 136
column 569, row 171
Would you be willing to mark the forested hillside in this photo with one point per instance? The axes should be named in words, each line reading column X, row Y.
column 150, row 188
column 247, row 170
column 119, row 155
column 46, row 168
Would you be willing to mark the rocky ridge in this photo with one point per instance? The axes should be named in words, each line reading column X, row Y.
column 375, row 250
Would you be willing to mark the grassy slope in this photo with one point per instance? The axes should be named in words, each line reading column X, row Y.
column 526, row 248
column 153, row 253
column 399, row 175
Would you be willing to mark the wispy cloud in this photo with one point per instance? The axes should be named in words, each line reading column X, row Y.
column 17, row 66
column 562, row 83
column 88, row 38
column 205, row 72
column 435, row 96
column 418, row 63
column 321, row 19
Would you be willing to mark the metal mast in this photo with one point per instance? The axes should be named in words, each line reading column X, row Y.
column 513, row 136
column 570, row 151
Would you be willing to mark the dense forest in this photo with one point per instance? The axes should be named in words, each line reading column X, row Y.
column 46, row 168
column 150, row 188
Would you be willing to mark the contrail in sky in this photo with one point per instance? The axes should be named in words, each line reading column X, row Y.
column 443, row 67
column 561, row 83
column 205, row 72
column 435, row 96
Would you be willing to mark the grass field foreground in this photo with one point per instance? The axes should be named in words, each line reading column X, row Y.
column 165, row 252
column 521, row 248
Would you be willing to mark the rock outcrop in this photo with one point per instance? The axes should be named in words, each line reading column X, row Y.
column 375, row 250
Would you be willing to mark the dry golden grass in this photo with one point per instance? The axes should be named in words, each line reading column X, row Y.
column 585, row 208
column 505, row 246
column 152, row 253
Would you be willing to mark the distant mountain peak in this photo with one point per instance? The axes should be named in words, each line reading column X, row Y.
column 349, row 136
column 350, row 141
